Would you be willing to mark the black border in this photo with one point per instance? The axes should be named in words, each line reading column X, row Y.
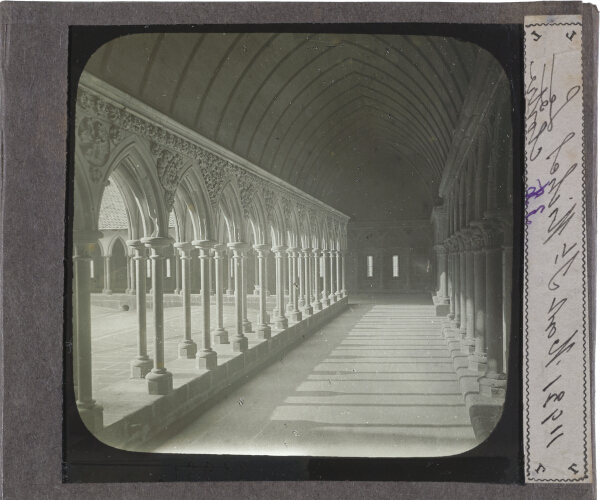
column 498, row 460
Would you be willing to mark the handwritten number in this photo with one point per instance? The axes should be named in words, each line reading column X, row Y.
column 570, row 37
column 537, row 37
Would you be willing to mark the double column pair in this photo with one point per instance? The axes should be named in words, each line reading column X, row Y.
column 479, row 285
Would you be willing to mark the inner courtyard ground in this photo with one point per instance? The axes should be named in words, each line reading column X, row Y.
column 378, row 380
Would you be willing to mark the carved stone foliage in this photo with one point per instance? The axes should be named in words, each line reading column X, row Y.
column 269, row 198
column 301, row 208
column 169, row 169
column 287, row 214
column 247, row 185
column 107, row 124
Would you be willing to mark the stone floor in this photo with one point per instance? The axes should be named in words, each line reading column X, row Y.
column 114, row 344
column 376, row 381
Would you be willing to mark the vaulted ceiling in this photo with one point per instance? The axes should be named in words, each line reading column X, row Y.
column 362, row 122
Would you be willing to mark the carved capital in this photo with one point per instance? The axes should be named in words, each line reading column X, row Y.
column 491, row 232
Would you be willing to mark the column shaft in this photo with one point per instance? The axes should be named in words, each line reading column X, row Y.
column 463, row 293
column 142, row 364
column 90, row 412
column 206, row 358
column 159, row 380
column 187, row 348
column 344, row 291
column 338, row 273
column 295, row 314
column 239, row 342
column 245, row 321
column 317, row 306
column 263, row 330
column 220, row 335
column 468, row 344
column 325, row 299
column 280, row 320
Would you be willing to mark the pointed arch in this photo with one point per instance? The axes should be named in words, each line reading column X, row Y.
column 231, row 209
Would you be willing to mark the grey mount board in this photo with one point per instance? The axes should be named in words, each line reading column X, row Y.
column 34, row 46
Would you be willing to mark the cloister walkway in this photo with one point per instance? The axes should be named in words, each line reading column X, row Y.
column 378, row 380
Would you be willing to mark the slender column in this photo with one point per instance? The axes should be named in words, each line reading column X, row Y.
column 478, row 360
column 239, row 342
column 344, row 291
column 290, row 304
column 468, row 343
column 256, row 275
column 308, row 309
column 456, row 288
column 142, row 364
column 317, row 306
column 178, row 271
column 206, row 358
column 159, row 380
column 493, row 384
column 443, row 272
column 187, row 347
column 463, row 290
column 229, row 265
column 263, row 329
column 301, row 281
column 338, row 275
column 325, row 299
column 267, row 277
column 245, row 321
column 279, row 318
column 128, row 259
column 332, row 296
column 220, row 335
column 89, row 411
column 132, row 278
column 295, row 314
column 107, row 289
column 210, row 261
column 451, row 286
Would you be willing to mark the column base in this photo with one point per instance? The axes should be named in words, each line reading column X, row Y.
column 159, row 383
column 325, row 303
column 177, row 291
column 281, row 322
column 92, row 417
column 229, row 292
column 344, row 293
column 467, row 346
column 187, row 349
column 132, row 292
column 239, row 344
column 492, row 387
column 316, row 306
column 107, row 292
column 289, row 308
column 263, row 332
column 296, row 316
column 478, row 363
column 247, row 326
column 220, row 336
column 307, row 310
column 206, row 360
column 338, row 296
column 301, row 303
column 141, row 367
column 332, row 298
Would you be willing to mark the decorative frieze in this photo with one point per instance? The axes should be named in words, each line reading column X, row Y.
column 105, row 124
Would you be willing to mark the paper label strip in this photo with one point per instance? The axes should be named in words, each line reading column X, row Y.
column 556, row 392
